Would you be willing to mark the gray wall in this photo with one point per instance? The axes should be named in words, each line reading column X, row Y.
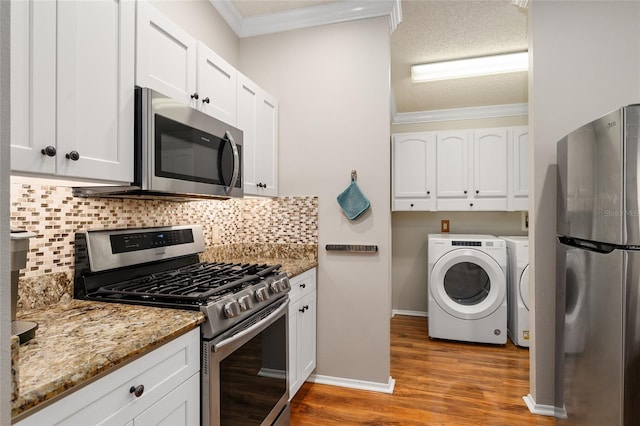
column 333, row 86
column 586, row 62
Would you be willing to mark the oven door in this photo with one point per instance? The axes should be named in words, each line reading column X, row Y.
column 245, row 380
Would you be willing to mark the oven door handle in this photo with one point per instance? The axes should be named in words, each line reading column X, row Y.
column 254, row 329
column 236, row 161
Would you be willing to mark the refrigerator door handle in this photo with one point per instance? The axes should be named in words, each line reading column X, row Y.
column 595, row 246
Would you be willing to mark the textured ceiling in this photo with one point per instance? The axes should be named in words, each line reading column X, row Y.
column 436, row 30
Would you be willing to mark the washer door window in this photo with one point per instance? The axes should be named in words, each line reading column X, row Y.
column 468, row 284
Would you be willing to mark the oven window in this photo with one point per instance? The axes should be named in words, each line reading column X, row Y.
column 253, row 378
column 186, row 153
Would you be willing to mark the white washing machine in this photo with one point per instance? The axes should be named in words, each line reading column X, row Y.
column 518, row 289
column 467, row 288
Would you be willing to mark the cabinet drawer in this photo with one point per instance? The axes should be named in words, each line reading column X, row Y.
column 414, row 205
column 302, row 284
column 109, row 399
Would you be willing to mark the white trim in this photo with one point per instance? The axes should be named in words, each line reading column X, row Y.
column 230, row 14
column 544, row 410
column 354, row 384
column 471, row 113
column 310, row 16
column 395, row 312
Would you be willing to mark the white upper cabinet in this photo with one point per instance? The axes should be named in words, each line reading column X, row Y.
column 452, row 153
column 414, row 171
column 490, row 163
column 73, row 99
column 165, row 55
column 216, row 85
column 258, row 119
column 519, row 170
column 472, row 170
column 172, row 62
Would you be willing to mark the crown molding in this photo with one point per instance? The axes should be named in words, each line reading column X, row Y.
column 305, row 17
column 471, row 113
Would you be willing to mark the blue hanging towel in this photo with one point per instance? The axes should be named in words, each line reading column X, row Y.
column 352, row 201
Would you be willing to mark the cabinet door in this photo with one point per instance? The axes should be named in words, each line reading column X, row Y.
column 453, row 165
column 95, row 82
column 490, row 163
column 165, row 56
column 258, row 119
column 180, row 407
column 33, row 85
column 519, row 178
column 414, row 171
column 306, row 336
column 216, row 85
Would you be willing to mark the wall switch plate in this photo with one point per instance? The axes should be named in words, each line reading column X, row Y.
column 444, row 225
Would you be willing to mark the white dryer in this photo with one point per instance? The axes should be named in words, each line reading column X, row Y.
column 518, row 289
column 467, row 288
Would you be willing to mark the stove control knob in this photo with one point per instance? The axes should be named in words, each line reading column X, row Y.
column 245, row 303
column 232, row 309
column 276, row 286
column 262, row 294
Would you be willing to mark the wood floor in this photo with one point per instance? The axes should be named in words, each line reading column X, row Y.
column 438, row 382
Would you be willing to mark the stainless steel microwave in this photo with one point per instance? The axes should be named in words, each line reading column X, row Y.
column 179, row 152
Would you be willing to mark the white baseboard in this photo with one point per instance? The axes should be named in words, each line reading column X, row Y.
column 544, row 410
column 395, row 312
column 354, row 384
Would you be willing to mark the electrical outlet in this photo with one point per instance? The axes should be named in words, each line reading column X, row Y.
column 444, row 225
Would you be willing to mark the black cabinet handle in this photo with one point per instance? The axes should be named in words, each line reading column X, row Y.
column 49, row 151
column 428, row 192
column 477, row 192
column 303, row 285
column 137, row 390
column 195, row 96
column 304, row 308
column 465, row 191
column 411, row 204
column 73, row 156
column 471, row 204
column 205, row 100
column 261, row 185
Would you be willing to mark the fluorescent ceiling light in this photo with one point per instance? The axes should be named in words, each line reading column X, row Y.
column 471, row 67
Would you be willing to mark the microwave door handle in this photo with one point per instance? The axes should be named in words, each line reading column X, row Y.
column 236, row 161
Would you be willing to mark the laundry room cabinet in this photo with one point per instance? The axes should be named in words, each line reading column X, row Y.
column 414, row 171
column 462, row 170
column 472, row 170
column 72, row 75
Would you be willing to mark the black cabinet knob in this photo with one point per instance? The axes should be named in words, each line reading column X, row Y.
column 428, row 192
column 205, row 100
column 411, row 204
column 303, row 285
column 477, row 192
column 195, row 96
column 49, row 151
column 465, row 191
column 73, row 156
column 471, row 204
column 137, row 390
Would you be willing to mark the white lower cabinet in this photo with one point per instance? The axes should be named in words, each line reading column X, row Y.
column 302, row 329
column 169, row 375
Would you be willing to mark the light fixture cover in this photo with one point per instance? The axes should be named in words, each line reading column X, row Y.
column 471, row 67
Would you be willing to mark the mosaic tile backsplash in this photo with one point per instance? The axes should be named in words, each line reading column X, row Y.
column 55, row 216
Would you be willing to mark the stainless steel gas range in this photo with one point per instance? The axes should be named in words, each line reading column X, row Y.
column 245, row 335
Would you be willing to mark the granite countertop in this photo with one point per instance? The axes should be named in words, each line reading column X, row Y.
column 79, row 340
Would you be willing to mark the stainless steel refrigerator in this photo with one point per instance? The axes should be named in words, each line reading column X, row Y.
column 598, row 271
